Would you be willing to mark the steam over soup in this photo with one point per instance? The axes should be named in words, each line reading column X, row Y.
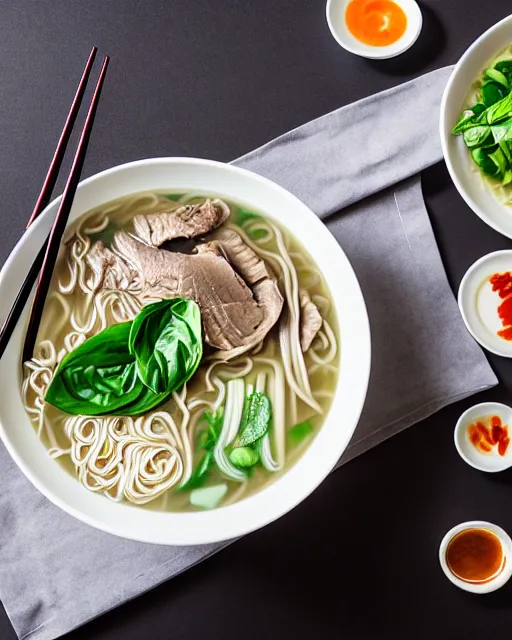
column 187, row 354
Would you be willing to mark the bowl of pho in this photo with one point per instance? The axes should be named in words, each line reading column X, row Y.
column 476, row 126
column 202, row 360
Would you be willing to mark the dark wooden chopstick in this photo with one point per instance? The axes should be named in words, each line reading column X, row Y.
column 53, row 171
column 44, row 197
column 59, row 225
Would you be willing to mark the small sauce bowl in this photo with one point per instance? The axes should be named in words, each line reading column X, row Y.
column 335, row 12
column 493, row 583
column 478, row 303
column 491, row 462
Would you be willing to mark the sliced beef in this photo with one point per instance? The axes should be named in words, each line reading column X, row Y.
column 111, row 271
column 310, row 320
column 189, row 221
column 235, row 317
column 248, row 264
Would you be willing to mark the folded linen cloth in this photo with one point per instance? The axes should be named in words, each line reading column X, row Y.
column 423, row 358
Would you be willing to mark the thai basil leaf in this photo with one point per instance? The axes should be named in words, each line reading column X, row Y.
column 491, row 93
column 497, row 76
column 479, row 108
column 497, row 112
column 166, row 341
column 505, row 66
column 503, row 131
column 476, row 136
column 499, row 159
column 482, row 159
column 466, row 121
column 257, row 419
column 100, row 377
column 507, row 178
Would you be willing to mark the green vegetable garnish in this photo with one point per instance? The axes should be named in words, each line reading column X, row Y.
column 497, row 76
column 244, row 457
column 243, row 216
column 256, row 419
column 209, row 497
column 115, row 372
column 166, row 340
column 487, row 126
column 207, row 440
column 300, row 432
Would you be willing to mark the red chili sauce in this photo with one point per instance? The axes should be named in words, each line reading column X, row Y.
column 502, row 284
column 487, row 436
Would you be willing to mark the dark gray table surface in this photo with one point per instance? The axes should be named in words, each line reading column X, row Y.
column 214, row 79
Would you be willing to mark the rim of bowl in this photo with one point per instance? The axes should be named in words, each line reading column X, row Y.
column 506, row 543
column 296, row 483
column 445, row 129
column 403, row 44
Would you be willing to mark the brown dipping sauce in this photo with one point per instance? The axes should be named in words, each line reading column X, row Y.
column 475, row 555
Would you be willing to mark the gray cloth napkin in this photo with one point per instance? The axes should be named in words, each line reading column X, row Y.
column 423, row 358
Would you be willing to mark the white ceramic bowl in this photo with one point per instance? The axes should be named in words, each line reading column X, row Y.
column 335, row 13
column 490, row 462
column 484, row 587
column 478, row 303
column 456, row 155
column 296, row 484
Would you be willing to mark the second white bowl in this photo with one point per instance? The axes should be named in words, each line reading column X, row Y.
column 460, row 165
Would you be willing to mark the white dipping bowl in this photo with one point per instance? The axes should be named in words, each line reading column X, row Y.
column 478, row 303
column 483, row 587
column 128, row 521
column 335, row 12
column 491, row 462
column 458, row 160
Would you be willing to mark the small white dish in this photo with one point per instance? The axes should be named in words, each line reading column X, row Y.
column 478, row 303
column 462, row 170
column 335, row 12
column 482, row 587
column 491, row 462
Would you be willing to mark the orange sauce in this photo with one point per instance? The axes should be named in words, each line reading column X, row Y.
column 375, row 22
column 475, row 555
column 485, row 437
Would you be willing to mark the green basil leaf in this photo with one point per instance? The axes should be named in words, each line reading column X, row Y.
column 466, row 121
column 482, row 159
column 257, row 419
column 491, row 93
column 505, row 67
column 497, row 112
column 501, row 162
column 497, row 76
column 166, row 341
column 100, row 377
column 476, row 136
column 502, row 131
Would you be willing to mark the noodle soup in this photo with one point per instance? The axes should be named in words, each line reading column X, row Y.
column 187, row 355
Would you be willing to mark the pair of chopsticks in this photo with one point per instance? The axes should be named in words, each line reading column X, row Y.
column 44, row 263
